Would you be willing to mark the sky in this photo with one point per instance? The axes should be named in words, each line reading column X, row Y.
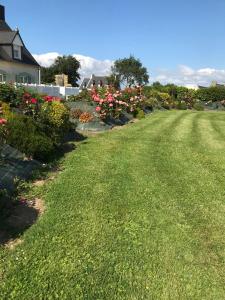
column 179, row 41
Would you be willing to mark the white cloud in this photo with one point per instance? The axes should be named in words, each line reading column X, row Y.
column 89, row 65
column 182, row 75
column 186, row 76
column 47, row 59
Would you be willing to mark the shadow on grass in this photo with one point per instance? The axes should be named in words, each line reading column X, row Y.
column 21, row 217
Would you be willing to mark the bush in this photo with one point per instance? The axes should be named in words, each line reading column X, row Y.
column 25, row 135
column 84, row 95
column 213, row 94
column 7, row 93
column 139, row 114
column 198, row 106
column 86, row 117
column 54, row 120
column 165, row 100
column 182, row 105
column 75, row 113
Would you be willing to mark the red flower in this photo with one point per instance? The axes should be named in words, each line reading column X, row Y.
column 33, row 101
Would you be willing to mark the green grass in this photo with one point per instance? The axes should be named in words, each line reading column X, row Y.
column 137, row 213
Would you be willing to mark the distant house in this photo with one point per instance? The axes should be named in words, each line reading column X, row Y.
column 16, row 62
column 213, row 84
column 97, row 81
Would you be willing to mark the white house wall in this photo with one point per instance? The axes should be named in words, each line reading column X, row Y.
column 12, row 69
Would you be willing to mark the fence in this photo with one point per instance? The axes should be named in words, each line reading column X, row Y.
column 53, row 90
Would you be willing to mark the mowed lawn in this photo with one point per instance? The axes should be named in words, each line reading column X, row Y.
column 137, row 213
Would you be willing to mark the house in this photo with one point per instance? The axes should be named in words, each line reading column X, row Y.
column 97, row 81
column 16, row 62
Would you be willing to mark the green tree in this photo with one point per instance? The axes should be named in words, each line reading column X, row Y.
column 114, row 81
column 68, row 65
column 130, row 71
column 47, row 75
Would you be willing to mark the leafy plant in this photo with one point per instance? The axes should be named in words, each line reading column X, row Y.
column 25, row 135
column 54, row 120
column 75, row 113
column 198, row 106
column 86, row 117
column 139, row 114
column 84, row 95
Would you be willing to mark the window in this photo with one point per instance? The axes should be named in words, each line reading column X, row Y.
column 17, row 51
column 2, row 77
column 23, row 78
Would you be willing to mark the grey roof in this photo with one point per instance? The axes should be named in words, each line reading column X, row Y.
column 88, row 82
column 4, row 26
column 7, row 36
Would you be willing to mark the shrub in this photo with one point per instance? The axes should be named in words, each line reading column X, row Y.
column 54, row 120
column 213, row 94
column 86, row 117
column 75, row 113
column 7, row 93
column 139, row 114
column 198, row 106
column 24, row 134
column 165, row 100
column 84, row 95
column 182, row 105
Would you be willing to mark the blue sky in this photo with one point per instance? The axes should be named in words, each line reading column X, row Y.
column 173, row 39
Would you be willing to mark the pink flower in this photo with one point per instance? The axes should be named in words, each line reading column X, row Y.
column 33, row 101
column 110, row 105
column 98, row 109
column 110, row 98
column 3, row 121
column 96, row 98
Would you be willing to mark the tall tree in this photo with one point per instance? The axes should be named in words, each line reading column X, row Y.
column 68, row 65
column 130, row 71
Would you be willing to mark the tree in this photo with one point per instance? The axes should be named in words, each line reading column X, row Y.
column 47, row 75
column 68, row 65
column 114, row 81
column 130, row 71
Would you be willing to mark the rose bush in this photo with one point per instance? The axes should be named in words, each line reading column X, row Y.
column 112, row 103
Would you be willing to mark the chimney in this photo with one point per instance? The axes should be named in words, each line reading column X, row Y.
column 2, row 13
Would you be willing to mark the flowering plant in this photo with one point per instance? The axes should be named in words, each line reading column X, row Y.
column 133, row 97
column 86, row 117
column 3, row 130
column 108, row 102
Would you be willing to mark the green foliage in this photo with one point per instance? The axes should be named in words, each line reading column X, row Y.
column 198, row 106
column 54, row 120
column 129, row 71
column 187, row 95
column 165, row 99
column 213, row 94
column 25, row 135
column 48, row 75
column 68, row 65
column 114, row 81
column 84, row 95
column 139, row 114
column 182, row 105
column 7, row 93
